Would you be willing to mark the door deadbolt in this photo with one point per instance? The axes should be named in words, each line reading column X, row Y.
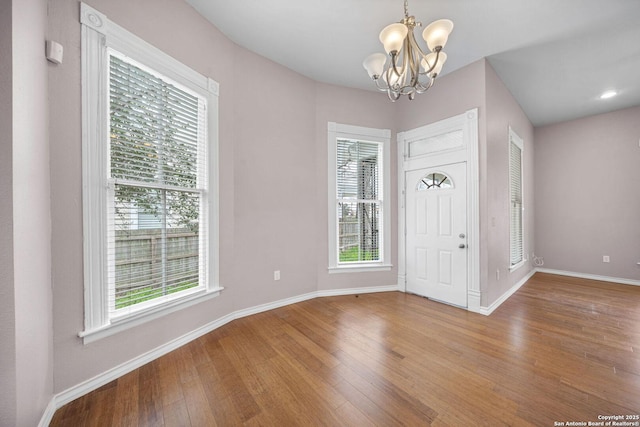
column 462, row 236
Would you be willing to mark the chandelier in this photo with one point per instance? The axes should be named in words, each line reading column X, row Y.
column 409, row 70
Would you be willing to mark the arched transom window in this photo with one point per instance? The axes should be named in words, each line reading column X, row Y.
column 434, row 181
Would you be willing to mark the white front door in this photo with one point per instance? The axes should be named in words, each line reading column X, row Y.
column 436, row 239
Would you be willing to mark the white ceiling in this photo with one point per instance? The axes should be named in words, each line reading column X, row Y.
column 555, row 56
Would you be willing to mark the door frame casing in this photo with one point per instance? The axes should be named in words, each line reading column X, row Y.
column 467, row 122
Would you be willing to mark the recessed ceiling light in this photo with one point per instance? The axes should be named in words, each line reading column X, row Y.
column 608, row 94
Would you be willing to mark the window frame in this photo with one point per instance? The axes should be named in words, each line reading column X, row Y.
column 435, row 187
column 515, row 140
column 338, row 131
column 99, row 35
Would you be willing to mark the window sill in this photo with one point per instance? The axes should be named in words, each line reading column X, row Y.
column 124, row 323
column 517, row 266
column 360, row 268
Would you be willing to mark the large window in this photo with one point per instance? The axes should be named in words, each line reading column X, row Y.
column 516, row 210
column 358, row 185
column 150, row 180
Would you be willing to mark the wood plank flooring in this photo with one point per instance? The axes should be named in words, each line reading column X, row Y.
column 561, row 349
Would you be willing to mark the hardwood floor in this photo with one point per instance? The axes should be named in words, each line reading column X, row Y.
column 560, row 349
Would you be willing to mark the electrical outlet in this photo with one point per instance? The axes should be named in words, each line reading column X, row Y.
column 276, row 275
column 605, row 258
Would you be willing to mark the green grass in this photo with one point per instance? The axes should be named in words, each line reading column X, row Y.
column 355, row 254
column 148, row 293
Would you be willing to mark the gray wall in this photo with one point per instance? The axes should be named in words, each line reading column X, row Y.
column 25, row 251
column 274, row 181
column 503, row 111
column 7, row 298
column 588, row 194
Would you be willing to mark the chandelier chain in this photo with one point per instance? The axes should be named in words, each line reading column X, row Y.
column 406, row 8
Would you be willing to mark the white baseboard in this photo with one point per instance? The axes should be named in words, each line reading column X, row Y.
column 91, row 384
column 590, row 276
column 270, row 306
column 47, row 416
column 473, row 301
column 488, row 310
column 354, row 291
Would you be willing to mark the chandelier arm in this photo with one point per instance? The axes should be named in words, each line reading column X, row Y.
column 407, row 70
column 414, row 62
column 407, row 90
column 381, row 88
column 416, row 46
column 420, row 88
column 394, row 58
column 435, row 61
column 388, row 73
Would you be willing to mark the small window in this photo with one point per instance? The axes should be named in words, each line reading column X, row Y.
column 359, row 200
column 359, row 232
column 434, row 181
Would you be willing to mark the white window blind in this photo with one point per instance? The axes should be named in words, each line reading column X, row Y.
column 157, row 164
column 516, row 201
column 359, row 200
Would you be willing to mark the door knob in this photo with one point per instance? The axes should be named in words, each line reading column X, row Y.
column 462, row 236
column 462, row 246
